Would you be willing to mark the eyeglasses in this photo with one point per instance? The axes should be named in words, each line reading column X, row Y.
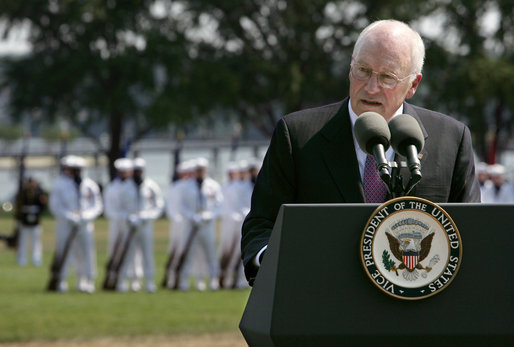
column 385, row 79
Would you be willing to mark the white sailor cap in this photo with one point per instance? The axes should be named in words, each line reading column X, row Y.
column 482, row 167
column 73, row 161
column 254, row 163
column 186, row 166
column 139, row 163
column 181, row 167
column 202, row 163
column 66, row 160
column 123, row 164
column 232, row 167
column 496, row 170
column 243, row 165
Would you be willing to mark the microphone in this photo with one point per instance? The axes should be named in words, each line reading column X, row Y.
column 373, row 136
column 407, row 140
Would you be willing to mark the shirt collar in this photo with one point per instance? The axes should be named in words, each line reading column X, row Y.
column 353, row 116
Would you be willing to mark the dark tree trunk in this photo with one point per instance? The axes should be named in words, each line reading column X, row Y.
column 114, row 151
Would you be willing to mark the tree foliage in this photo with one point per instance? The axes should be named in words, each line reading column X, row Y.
column 147, row 63
column 97, row 62
column 470, row 69
column 276, row 57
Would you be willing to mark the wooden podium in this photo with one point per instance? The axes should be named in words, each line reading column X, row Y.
column 312, row 289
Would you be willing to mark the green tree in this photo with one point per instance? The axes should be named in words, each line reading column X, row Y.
column 470, row 69
column 272, row 57
column 113, row 63
column 275, row 57
column 152, row 62
column 268, row 56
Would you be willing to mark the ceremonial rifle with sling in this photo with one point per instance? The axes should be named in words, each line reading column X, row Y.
column 183, row 255
column 11, row 240
column 113, row 276
column 58, row 261
column 189, row 242
column 225, row 261
column 167, row 268
column 236, row 272
column 110, row 269
column 116, row 262
column 118, row 266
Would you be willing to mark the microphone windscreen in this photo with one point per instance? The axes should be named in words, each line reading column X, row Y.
column 405, row 131
column 371, row 129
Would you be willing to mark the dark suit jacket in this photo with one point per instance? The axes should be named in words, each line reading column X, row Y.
column 311, row 159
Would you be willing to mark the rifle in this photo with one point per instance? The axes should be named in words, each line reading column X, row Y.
column 182, row 258
column 58, row 262
column 11, row 240
column 167, row 268
column 110, row 272
column 225, row 260
column 114, row 276
column 236, row 273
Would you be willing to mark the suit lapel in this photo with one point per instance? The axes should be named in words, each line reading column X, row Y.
column 339, row 155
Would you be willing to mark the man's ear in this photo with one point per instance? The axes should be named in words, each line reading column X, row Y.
column 414, row 85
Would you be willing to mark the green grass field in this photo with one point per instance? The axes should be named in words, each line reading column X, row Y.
column 28, row 313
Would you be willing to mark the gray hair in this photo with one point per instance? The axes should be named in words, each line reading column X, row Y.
column 418, row 47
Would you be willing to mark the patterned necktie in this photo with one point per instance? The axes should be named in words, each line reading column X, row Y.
column 375, row 190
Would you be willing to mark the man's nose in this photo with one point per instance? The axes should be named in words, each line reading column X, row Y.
column 372, row 85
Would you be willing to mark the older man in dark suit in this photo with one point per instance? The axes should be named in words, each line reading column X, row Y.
column 313, row 156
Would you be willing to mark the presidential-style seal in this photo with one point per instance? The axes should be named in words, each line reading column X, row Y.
column 411, row 248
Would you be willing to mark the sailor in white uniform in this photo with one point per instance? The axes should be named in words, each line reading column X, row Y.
column 75, row 201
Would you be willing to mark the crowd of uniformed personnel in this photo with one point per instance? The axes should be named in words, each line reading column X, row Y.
column 494, row 184
column 195, row 205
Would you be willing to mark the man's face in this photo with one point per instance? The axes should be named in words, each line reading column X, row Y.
column 125, row 174
column 66, row 170
column 76, row 173
column 233, row 175
column 245, row 174
column 201, row 172
column 482, row 177
column 498, row 180
column 382, row 55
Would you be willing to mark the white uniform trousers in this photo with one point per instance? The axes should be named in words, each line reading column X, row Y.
column 205, row 241
column 82, row 252
column 32, row 232
column 175, row 249
column 118, row 232
column 141, row 245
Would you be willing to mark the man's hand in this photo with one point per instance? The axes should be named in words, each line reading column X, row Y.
column 238, row 217
column 207, row 216
column 134, row 220
column 74, row 218
column 197, row 219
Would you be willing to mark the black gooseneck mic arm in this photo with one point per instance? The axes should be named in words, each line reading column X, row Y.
column 383, row 166
column 414, row 168
column 407, row 140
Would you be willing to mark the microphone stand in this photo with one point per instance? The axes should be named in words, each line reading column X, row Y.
column 383, row 165
column 397, row 181
column 413, row 180
column 394, row 182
